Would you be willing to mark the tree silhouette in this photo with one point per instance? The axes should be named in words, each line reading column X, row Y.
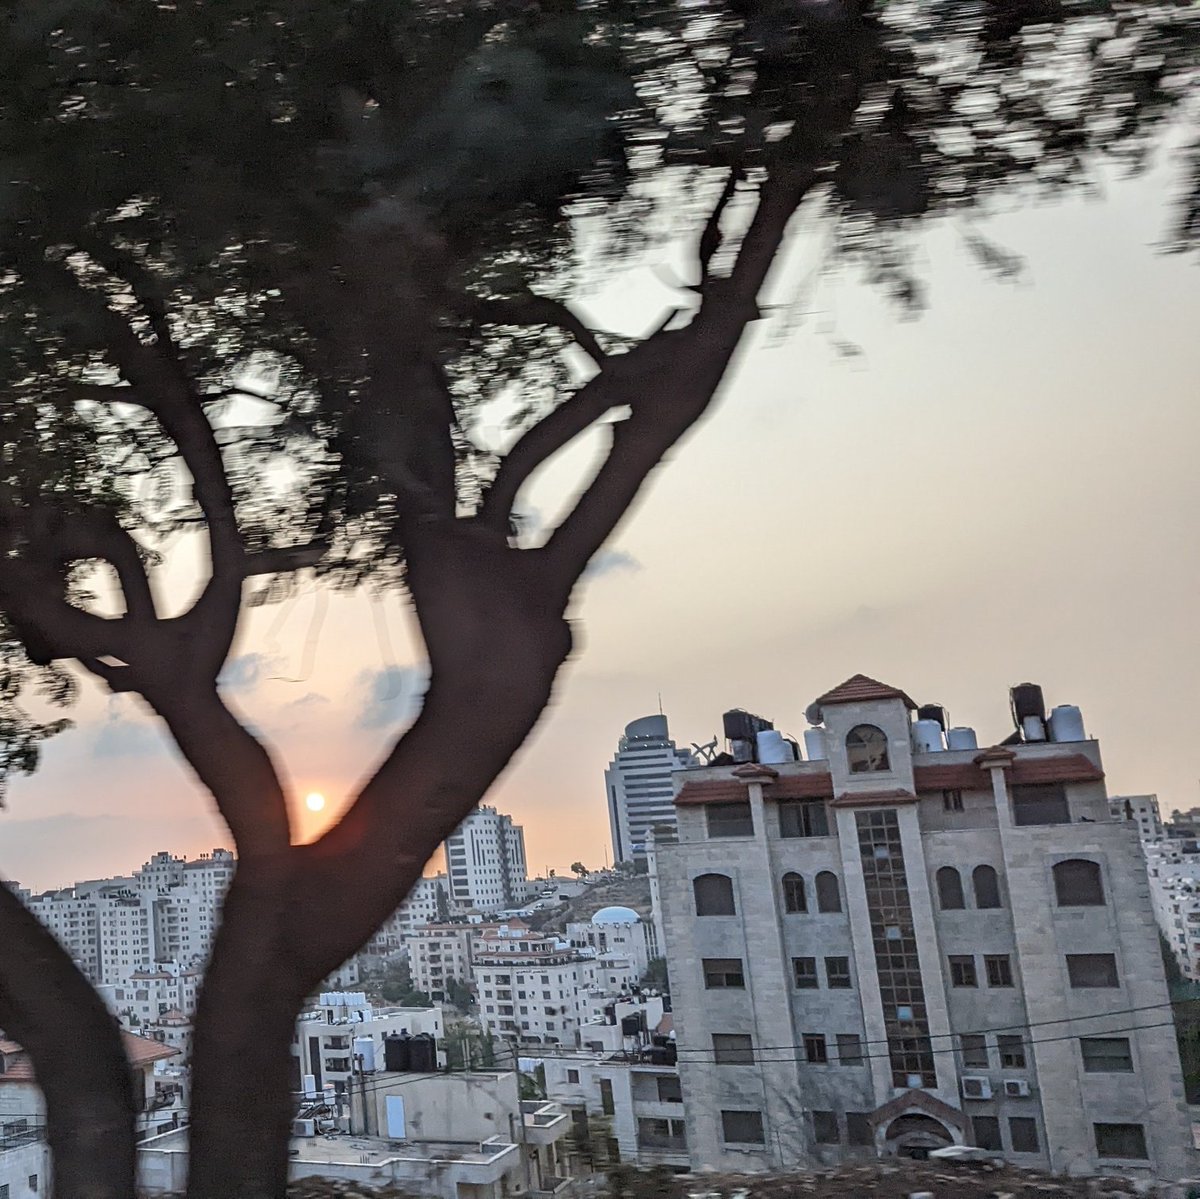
column 257, row 278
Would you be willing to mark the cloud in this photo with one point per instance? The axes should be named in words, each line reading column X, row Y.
column 121, row 738
column 244, row 673
column 388, row 696
column 607, row 562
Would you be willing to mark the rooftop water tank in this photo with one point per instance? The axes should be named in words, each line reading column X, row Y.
column 1034, row 728
column 310, row 1086
column 934, row 712
column 927, row 737
column 961, row 738
column 364, row 1047
column 772, row 748
column 1026, row 700
column 1066, row 723
column 814, row 745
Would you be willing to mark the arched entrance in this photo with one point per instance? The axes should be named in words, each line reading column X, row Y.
column 914, row 1135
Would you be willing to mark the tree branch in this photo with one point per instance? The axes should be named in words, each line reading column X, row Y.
column 668, row 399
column 533, row 309
column 78, row 1059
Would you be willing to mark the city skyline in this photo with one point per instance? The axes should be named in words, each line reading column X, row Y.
column 1015, row 509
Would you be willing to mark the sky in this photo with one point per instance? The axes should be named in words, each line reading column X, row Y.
column 1001, row 490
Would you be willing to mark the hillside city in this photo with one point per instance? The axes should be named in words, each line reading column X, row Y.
column 889, row 937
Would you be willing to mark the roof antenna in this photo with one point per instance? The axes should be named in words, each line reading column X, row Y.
column 660, row 711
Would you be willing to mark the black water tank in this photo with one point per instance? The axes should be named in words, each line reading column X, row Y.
column 741, row 725
column 423, row 1054
column 631, row 1025
column 933, row 712
column 1027, row 701
column 397, row 1054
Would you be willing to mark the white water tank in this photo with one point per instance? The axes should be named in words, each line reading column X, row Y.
column 364, row 1047
column 961, row 738
column 772, row 748
column 310, row 1086
column 814, row 745
column 1033, row 728
column 1066, row 723
column 927, row 737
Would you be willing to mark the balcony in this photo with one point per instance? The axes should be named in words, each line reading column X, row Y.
column 544, row 1122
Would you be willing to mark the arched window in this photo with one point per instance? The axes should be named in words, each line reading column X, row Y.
column 866, row 749
column 987, row 887
column 795, row 898
column 829, row 898
column 950, row 889
column 1077, row 884
column 714, row 895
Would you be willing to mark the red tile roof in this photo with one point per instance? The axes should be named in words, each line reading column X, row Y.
column 712, row 791
column 754, row 770
column 141, row 1051
column 1061, row 768
column 963, row 776
column 817, row 785
column 858, row 688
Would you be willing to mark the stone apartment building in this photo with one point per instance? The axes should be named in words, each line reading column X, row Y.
column 485, row 861
column 904, row 942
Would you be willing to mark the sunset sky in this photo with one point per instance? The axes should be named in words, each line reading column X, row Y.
column 1002, row 490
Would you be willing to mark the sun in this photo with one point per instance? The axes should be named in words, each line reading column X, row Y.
column 314, row 801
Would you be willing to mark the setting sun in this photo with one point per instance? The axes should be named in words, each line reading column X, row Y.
column 314, row 801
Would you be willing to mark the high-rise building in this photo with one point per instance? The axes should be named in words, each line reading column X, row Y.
column 638, row 785
column 485, row 862
column 904, row 943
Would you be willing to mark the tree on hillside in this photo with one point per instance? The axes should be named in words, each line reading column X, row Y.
column 579, row 868
column 258, row 279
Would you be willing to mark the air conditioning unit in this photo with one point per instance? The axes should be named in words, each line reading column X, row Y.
column 304, row 1128
column 1016, row 1088
column 976, row 1086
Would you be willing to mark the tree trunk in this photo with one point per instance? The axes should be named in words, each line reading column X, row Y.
column 78, row 1059
column 241, row 1063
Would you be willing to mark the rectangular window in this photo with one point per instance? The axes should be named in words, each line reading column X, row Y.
column 572, row 1076
column 730, row 820
column 742, row 1128
column 669, row 1090
column 837, row 973
column 803, row 818
column 815, row 1052
column 962, row 970
column 999, row 969
column 733, row 1049
column 1012, row 1052
column 1092, row 970
column 33, row 1183
column 1022, row 1134
column 825, row 1128
column 723, row 972
column 1121, row 1140
column 952, row 800
column 606, row 1097
column 1040, row 803
column 804, row 972
column 849, row 1049
column 973, row 1046
column 987, row 1132
column 858, row 1129
column 1106, row 1055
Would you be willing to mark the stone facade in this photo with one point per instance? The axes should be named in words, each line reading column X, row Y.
column 935, row 947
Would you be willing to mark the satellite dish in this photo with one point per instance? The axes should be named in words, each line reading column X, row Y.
column 707, row 752
column 813, row 713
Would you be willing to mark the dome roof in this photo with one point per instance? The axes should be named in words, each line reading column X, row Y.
column 616, row 915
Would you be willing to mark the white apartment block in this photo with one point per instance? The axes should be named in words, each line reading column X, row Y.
column 427, row 903
column 903, row 943
column 485, row 862
column 1142, row 811
column 342, row 1038
column 618, row 933
column 635, row 1103
column 167, row 911
column 532, row 988
column 439, row 953
column 638, row 785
